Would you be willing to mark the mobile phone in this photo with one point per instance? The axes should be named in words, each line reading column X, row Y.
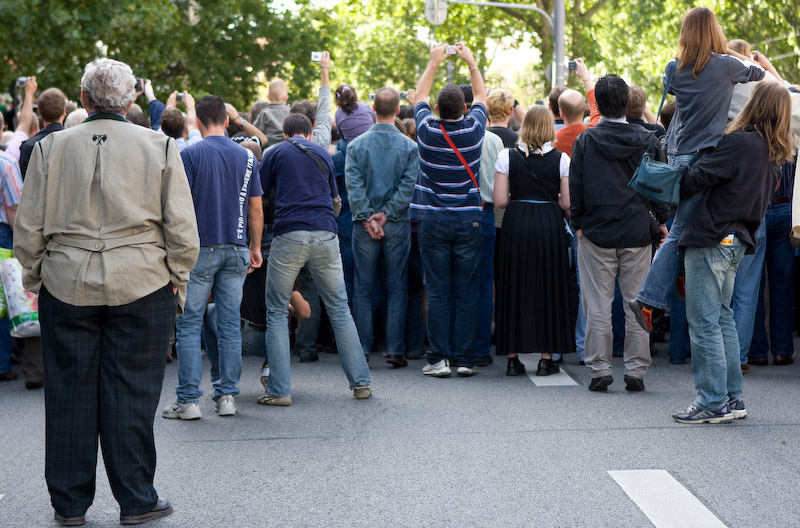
column 316, row 56
column 571, row 65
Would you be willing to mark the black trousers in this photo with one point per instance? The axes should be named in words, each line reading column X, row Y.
column 104, row 367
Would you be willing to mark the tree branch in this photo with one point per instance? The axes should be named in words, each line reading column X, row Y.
column 586, row 15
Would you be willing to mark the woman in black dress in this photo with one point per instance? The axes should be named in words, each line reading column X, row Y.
column 535, row 306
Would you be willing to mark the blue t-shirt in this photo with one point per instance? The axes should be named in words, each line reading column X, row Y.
column 303, row 194
column 217, row 169
column 444, row 190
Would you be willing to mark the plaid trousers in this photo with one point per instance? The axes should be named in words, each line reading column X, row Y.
column 104, row 367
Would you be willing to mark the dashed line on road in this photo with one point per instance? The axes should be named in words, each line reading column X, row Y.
column 664, row 500
column 562, row 379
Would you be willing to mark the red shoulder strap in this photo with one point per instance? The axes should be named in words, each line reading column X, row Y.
column 463, row 161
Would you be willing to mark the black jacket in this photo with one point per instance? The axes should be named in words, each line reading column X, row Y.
column 611, row 214
column 737, row 181
column 27, row 147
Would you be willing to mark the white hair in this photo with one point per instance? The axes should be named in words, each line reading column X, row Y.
column 109, row 85
column 75, row 117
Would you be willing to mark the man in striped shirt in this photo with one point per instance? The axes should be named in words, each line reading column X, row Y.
column 447, row 203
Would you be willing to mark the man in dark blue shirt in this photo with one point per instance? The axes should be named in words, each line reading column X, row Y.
column 302, row 175
column 227, row 193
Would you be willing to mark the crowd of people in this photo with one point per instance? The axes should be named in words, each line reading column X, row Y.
column 233, row 233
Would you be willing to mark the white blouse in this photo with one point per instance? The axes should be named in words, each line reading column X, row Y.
column 502, row 164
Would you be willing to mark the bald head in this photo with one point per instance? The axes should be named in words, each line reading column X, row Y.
column 572, row 106
column 278, row 92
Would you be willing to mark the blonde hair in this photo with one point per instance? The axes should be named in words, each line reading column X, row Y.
column 769, row 111
column 537, row 128
column 701, row 35
column 499, row 104
column 739, row 46
column 277, row 91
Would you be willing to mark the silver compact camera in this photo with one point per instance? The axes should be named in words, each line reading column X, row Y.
column 179, row 98
column 21, row 81
column 451, row 50
column 316, row 56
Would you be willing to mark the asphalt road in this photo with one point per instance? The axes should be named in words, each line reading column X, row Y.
column 483, row 451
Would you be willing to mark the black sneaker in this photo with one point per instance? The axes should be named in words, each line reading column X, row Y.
column 547, row 367
column 515, row 367
column 696, row 415
column 484, row 361
column 644, row 314
column 600, row 384
column 634, row 384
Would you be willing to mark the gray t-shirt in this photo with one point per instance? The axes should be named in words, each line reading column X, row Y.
column 702, row 103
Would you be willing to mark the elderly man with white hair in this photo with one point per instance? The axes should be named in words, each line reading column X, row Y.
column 106, row 234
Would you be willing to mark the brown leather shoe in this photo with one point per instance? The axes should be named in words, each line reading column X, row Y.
column 745, row 368
column 161, row 509
column 782, row 360
column 397, row 361
column 8, row 376
column 70, row 521
column 759, row 361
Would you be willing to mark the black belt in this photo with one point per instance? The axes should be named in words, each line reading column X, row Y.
column 781, row 200
column 256, row 327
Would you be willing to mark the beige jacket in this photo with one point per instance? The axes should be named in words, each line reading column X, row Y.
column 106, row 215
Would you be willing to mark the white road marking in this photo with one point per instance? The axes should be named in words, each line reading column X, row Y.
column 562, row 379
column 664, row 500
column 2, row 495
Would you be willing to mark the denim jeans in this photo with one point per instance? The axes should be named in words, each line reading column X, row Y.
column 710, row 277
column 305, row 345
column 253, row 342
column 415, row 322
column 394, row 247
column 745, row 292
column 580, row 322
column 779, row 260
column 483, row 340
column 6, row 341
column 221, row 269
column 451, row 255
column 666, row 265
column 679, row 348
column 345, row 224
column 319, row 251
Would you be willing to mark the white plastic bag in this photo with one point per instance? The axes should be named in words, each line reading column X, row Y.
column 23, row 306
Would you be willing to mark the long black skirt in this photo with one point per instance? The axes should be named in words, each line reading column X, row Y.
column 536, row 305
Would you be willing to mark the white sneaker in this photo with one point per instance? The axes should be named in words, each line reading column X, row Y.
column 466, row 372
column 182, row 411
column 437, row 370
column 225, row 406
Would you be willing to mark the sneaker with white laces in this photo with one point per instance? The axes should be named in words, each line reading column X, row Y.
column 737, row 408
column 182, row 411
column 279, row 401
column 265, row 376
column 466, row 372
column 225, row 406
column 362, row 392
column 696, row 415
column 440, row 369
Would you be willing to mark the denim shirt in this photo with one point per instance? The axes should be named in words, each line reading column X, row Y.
column 380, row 173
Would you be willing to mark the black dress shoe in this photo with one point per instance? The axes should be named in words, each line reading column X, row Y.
column 782, row 360
column 33, row 385
column 397, row 361
column 515, row 367
column 79, row 520
column 8, row 376
column 634, row 384
column 601, row 383
column 758, row 361
column 547, row 367
column 161, row 509
column 484, row 361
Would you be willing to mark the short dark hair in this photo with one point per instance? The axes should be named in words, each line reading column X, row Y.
column 450, row 102
column 173, row 122
column 611, row 93
column 136, row 116
column 52, row 104
column 307, row 108
column 387, row 101
column 296, row 125
column 346, row 98
column 667, row 112
column 211, row 110
column 555, row 93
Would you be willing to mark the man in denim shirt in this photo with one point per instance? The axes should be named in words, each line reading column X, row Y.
column 380, row 172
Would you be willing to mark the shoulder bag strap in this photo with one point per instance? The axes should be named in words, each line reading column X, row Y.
column 670, row 74
column 530, row 169
column 320, row 165
column 463, row 161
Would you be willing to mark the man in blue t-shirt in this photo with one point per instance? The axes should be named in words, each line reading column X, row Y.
column 227, row 193
column 447, row 203
column 304, row 234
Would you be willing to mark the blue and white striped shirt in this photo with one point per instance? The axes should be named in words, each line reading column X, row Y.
column 444, row 190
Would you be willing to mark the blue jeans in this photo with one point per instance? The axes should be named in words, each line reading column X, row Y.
column 415, row 322
column 221, row 269
column 6, row 341
column 580, row 322
column 367, row 252
column 483, row 340
column 679, row 348
column 253, row 343
column 319, row 252
column 710, row 276
column 345, row 223
column 451, row 255
column 305, row 345
column 666, row 265
column 779, row 260
column 745, row 292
